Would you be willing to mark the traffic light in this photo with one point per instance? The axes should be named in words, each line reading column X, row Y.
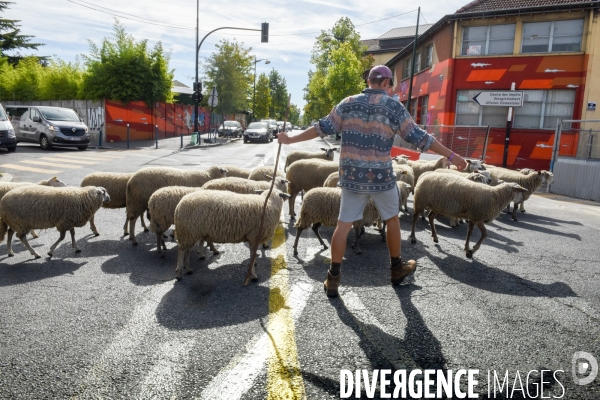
column 264, row 33
column 197, row 97
column 197, row 86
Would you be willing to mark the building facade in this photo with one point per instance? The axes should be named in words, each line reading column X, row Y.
column 545, row 48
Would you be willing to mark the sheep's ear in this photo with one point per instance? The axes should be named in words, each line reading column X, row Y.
column 258, row 191
column 283, row 180
column 408, row 187
column 269, row 177
column 403, row 173
column 539, row 172
column 324, row 149
column 500, row 181
column 284, row 196
column 468, row 161
column 223, row 170
column 336, row 149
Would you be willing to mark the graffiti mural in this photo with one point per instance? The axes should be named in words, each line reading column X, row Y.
column 95, row 118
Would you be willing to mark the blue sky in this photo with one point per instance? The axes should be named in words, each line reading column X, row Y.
column 66, row 26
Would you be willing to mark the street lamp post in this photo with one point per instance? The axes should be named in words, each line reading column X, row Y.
column 254, row 90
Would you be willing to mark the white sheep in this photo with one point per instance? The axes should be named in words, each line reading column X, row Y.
column 404, row 173
column 321, row 206
column 115, row 184
column 402, row 159
column 325, row 154
column 455, row 196
column 421, row 166
column 306, row 175
column 332, row 180
column 245, row 186
column 148, row 180
column 238, row 172
column 264, row 173
column 41, row 207
column 224, row 217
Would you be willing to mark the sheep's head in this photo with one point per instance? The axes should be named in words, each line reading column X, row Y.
column 475, row 165
column 477, row 177
column 486, row 174
column 329, row 152
column 53, row 182
column 101, row 192
column 547, row 177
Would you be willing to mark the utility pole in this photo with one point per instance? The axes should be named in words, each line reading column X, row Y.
column 412, row 68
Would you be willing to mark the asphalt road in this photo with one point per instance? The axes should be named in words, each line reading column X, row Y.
column 111, row 321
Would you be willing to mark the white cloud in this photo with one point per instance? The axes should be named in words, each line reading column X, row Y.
column 66, row 27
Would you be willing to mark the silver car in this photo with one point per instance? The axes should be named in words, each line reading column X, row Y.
column 260, row 131
column 48, row 126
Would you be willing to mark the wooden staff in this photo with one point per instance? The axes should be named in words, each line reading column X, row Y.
column 262, row 218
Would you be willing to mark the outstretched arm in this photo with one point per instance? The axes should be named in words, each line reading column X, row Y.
column 308, row 134
column 454, row 158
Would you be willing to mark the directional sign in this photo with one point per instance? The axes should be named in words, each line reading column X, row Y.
column 499, row 99
column 213, row 97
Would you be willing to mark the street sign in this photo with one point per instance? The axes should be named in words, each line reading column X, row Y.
column 499, row 99
column 197, row 96
column 213, row 97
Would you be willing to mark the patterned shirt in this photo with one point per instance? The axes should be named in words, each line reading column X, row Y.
column 368, row 123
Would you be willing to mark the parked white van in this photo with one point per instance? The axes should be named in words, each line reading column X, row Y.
column 48, row 126
column 7, row 132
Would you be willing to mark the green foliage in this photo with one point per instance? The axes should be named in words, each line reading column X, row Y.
column 21, row 82
column 11, row 38
column 339, row 64
column 229, row 69
column 125, row 70
column 61, row 81
column 263, row 97
column 294, row 115
column 279, row 95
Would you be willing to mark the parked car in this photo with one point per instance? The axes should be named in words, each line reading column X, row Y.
column 48, row 126
column 231, row 129
column 259, row 131
column 273, row 124
column 8, row 138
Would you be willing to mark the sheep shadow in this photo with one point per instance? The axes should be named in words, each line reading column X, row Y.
column 212, row 298
column 529, row 226
column 495, row 280
column 32, row 270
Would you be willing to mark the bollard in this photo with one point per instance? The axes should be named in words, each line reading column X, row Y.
column 100, row 138
column 127, row 136
column 181, row 139
column 156, row 137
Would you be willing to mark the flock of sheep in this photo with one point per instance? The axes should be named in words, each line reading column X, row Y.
column 224, row 204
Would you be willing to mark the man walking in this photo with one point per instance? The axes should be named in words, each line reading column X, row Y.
column 368, row 123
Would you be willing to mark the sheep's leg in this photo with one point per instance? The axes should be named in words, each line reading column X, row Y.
column 201, row 255
column 159, row 242
column 469, row 233
column 9, row 243
column 484, row 234
column 291, row 202
column 315, row 229
column 132, row 231
column 60, row 239
column 298, row 233
column 514, row 211
column 23, row 239
column 33, row 234
column 186, row 260
column 180, row 263
column 382, row 231
column 522, row 206
column 213, row 249
column 143, row 223
column 73, row 242
column 93, row 226
column 125, row 232
column 162, row 240
column 431, row 217
column 253, row 270
column 415, row 217
column 358, row 232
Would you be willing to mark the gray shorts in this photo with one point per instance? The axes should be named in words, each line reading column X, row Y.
column 353, row 204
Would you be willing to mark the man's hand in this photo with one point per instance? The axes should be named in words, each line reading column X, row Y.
column 283, row 138
column 459, row 162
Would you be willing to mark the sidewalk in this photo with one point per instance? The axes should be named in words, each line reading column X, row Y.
column 172, row 143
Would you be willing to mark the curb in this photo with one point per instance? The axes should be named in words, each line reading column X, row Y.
column 6, row 177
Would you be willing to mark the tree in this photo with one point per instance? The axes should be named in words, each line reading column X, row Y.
column 23, row 81
column 263, row 97
column 229, row 69
column 11, row 38
column 279, row 95
column 125, row 70
column 61, row 81
column 294, row 116
column 339, row 63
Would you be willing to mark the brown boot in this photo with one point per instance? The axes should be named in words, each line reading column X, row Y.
column 331, row 284
column 402, row 270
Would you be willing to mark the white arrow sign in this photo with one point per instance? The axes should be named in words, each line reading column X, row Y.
column 499, row 99
column 213, row 97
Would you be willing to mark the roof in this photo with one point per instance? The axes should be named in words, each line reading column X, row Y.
column 493, row 5
column 407, row 31
column 176, row 83
column 372, row 44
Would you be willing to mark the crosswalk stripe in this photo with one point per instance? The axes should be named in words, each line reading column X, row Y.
column 84, row 158
column 50, row 164
column 68, row 161
column 25, row 168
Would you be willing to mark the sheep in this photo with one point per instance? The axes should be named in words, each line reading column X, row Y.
column 224, row 217
column 306, row 175
column 526, row 171
column 422, row 166
column 472, row 166
column 404, row 173
column 148, row 180
column 235, row 171
column 404, row 190
column 332, row 180
column 5, row 187
column 531, row 182
column 263, row 173
column 401, row 159
column 115, row 184
column 29, row 207
column 457, row 197
column 321, row 206
column 244, row 186
column 305, row 155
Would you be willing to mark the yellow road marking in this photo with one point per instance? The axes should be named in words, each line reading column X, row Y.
column 25, row 168
column 50, row 164
column 69, row 161
column 284, row 378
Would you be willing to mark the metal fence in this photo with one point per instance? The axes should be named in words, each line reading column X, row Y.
column 576, row 159
column 468, row 141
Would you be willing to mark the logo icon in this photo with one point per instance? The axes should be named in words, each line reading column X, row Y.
column 584, row 364
column 73, row 129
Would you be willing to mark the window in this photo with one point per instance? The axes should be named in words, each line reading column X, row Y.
column 428, row 56
column 407, row 66
column 424, row 110
column 490, row 39
column 552, row 36
column 470, row 113
column 417, row 62
column 542, row 108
